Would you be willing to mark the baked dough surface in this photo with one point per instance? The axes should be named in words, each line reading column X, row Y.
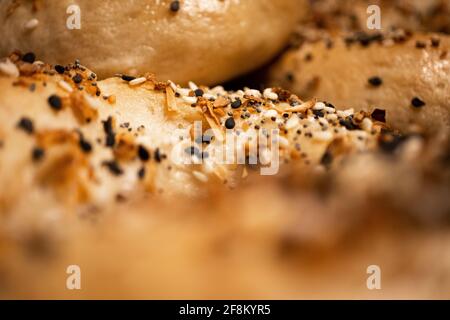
column 206, row 41
column 356, row 72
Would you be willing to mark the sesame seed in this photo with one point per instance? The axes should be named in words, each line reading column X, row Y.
column 143, row 154
column 435, row 42
column 8, row 68
column 37, row 154
column 269, row 94
column 137, row 81
column 77, row 78
column 229, row 123
column 417, row 103
column 141, row 173
column 420, row 45
column 85, row 145
column 158, row 155
column 31, row 24
column 26, row 124
column 65, row 86
column 236, row 104
column 190, row 100
column 60, row 69
column 110, row 135
column 375, row 81
column 200, row 176
column 175, row 6
column 113, row 167
column 29, row 57
column 127, row 78
column 198, row 93
column 55, row 102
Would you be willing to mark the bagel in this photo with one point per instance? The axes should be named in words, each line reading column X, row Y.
column 406, row 75
column 89, row 141
column 206, row 41
column 348, row 15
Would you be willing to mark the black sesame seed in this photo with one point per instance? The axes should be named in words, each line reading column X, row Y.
column 389, row 142
column 435, row 42
column 199, row 93
column 290, row 77
column 327, row 159
column 77, row 78
column 60, row 69
column 420, row 44
column 55, row 102
column 318, row 113
column 110, row 135
column 107, row 125
column 375, row 81
column 379, row 115
column 417, row 103
column 229, row 123
column 37, row 154
column 175, row 6
column 141, row 173
column 348, row 124
column 158, row 155
column 114, row 167
column 236, row 104
column 143, row 154
column 29, row 57
column 26, row 124
column 128, row 78
column 85, row 146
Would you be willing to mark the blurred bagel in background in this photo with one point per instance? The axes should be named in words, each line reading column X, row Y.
column 206, row 41
column 406, row 75
column 351, row 15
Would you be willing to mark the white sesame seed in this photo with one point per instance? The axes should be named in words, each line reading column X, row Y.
column 8, row 68
column 332, row 117
column 252, row 92
column 269, row 94
column 65, row 86
column 192, row 86
column 292, row 123
column 329, row 110
column 190, row 100
column 31, row 24
column 345, row 113
column 367, row 124
column 137, row 81
column 200, row 176
column 270, row 113
column 283, row 142
column 322, row 136
column 319, row 106
column 209, row 96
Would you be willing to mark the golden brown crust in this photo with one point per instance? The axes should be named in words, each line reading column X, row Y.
column 408, row 76
column 91, row 141
column 206, row 41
